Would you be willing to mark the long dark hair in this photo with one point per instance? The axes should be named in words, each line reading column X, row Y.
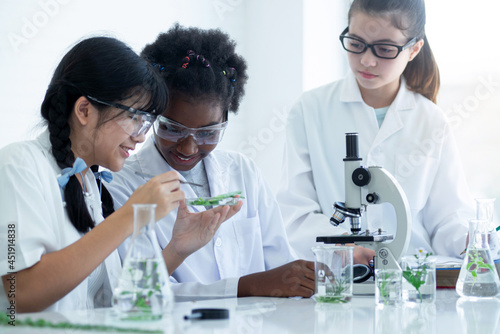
column 200, row 64
column 108, row 70
column 422, row 73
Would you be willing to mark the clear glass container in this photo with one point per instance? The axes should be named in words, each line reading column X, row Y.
column 211, row 202
column 231, row 198
column 478, row 276
column 333, row 273
column 388, row 286
column 143, row 291
column 485, row 208
column 419, row 279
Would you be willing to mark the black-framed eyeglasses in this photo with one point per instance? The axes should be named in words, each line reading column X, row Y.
column 136, row 123
column 380, row 50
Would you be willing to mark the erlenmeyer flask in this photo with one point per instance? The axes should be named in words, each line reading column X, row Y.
column 143, row 291
column 484, row 210
column 478, row 276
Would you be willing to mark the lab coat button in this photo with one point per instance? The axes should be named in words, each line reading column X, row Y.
column 218, row 242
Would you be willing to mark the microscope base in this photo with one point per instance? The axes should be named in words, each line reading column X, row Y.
column 365, row 288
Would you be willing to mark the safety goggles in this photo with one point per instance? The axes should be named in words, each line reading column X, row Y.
column 135, row 123
column 172, row 131
column 380, row 50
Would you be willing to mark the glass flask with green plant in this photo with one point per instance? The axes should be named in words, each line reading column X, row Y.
column 419, row 271
column 478, row 277
column 143, row 291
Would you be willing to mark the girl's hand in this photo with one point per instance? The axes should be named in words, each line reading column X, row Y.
column 194, row 230
column 162, row 190
column 292, row 279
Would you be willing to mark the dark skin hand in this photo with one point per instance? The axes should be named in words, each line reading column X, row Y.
column 292, row 279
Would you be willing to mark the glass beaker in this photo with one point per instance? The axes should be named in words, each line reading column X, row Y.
column 333, row 273
column 419, row 279
column 388, row 286
column 143, row 291
column 478, row 276
column 485, row 208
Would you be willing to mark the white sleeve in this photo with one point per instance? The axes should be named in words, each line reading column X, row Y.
column 297, row 196
column 23, row 207
column 227, row 287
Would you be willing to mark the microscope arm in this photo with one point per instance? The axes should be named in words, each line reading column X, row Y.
column 385, row 189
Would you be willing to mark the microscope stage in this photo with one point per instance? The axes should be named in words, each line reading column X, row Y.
column 349, row 239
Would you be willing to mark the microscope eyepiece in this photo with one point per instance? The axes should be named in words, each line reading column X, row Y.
column 351, row 143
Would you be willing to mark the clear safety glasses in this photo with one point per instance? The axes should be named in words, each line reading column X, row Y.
column 172, row 131
column 380, row 50
column 135, row 122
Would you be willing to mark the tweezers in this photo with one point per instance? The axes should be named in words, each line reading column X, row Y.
column 181, row 181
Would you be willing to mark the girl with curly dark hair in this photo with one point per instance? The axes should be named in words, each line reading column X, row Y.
column 250, row 254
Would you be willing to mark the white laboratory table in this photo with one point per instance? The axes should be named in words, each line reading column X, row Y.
column 449, row 314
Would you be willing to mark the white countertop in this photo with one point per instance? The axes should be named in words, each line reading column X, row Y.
column 448, row 314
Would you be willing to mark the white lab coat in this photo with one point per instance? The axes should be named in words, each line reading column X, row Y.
column 253, row 240
column 414, row 143
column 30, row 198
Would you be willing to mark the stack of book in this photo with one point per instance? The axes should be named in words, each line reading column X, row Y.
column 447, row 271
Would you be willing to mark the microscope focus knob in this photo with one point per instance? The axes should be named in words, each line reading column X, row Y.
column 361, row 176
column 372, row 198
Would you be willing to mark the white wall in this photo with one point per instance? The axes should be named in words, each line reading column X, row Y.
column 35, row 34
column 290, row 46
column 462, row 34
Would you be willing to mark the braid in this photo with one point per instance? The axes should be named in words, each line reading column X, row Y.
column 111, row 71
column 54, row 109
column 59, row 130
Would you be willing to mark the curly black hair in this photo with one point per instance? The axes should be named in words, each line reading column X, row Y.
column 200, row 64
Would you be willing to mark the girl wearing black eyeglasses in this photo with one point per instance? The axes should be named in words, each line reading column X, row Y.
column 389, row 98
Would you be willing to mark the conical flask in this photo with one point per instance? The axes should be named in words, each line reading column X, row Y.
column 478, row 276
column 143, row 291
column 484, row 210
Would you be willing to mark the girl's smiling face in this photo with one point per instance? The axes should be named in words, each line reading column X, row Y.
column 184, row 154
column 106, row 139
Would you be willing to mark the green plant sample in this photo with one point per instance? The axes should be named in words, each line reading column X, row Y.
column 416, row 276
column 335, row 294
column 142, row 305
column 216, row 200
column 384, row 293
column 41, row 323
column 476, row 262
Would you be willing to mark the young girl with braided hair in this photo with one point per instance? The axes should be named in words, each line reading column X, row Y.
column 250, row 253
column 389, row 98
column 101, row 101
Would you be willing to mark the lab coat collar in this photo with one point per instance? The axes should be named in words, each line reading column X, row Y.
column 44, row 142
column 405, row 99
column 350, row 90
column 393, row 122
column 217, row 175
column 150, row 160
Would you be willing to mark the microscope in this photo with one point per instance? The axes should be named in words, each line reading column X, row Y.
column 370, row 186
